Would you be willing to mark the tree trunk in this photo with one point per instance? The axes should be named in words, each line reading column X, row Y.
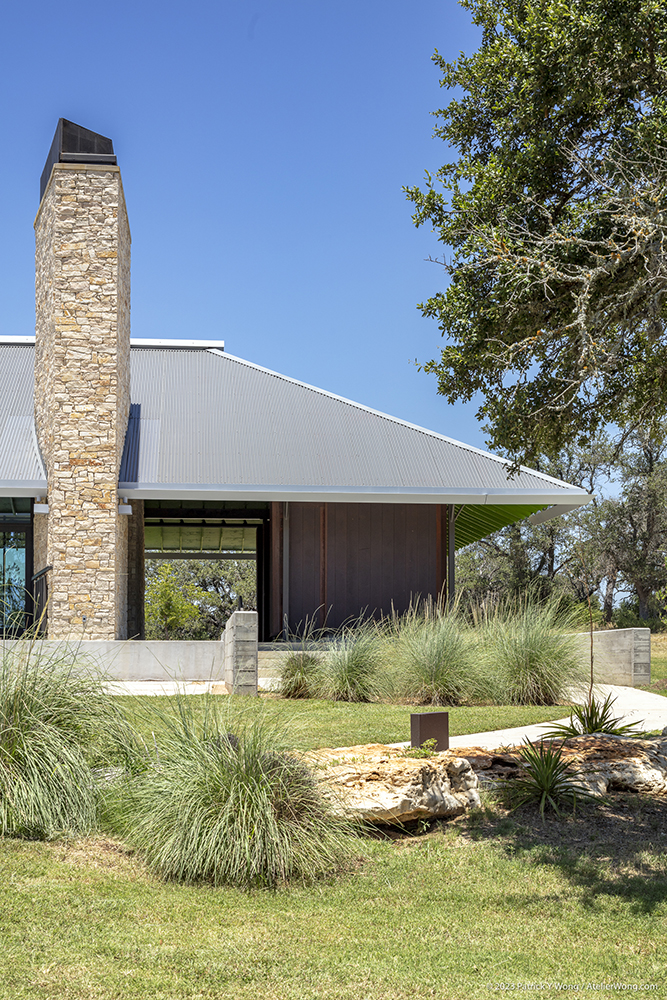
column 609, row 596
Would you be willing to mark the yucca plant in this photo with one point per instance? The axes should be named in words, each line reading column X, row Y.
column 55, row 723
column 547, row 779
column 594, row 717
column 351, row 665
column 433, row 659
column 226, row 802
column 531, row 650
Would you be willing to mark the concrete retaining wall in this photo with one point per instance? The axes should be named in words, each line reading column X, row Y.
column 620, row 656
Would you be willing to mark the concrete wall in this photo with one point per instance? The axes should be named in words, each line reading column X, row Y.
column 240, row 653
column 620, row 656
column 139, row 661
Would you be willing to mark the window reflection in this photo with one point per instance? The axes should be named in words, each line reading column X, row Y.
column 12, row 581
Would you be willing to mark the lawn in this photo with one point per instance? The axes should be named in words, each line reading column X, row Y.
column 453, row 911
column 318, row 724
column 658, row 664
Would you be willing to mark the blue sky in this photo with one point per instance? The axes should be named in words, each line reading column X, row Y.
column 263, row 146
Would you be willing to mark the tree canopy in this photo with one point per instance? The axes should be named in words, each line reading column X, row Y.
column 192, row 599
column 613, row 549
column 554, row 216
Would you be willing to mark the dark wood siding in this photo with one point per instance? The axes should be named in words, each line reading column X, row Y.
column 304, row 562
column 373, row 554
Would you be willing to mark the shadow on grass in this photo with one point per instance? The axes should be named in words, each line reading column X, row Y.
column 612, row 849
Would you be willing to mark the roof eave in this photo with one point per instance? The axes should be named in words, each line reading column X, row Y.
column 23, row 487
column 346, row 494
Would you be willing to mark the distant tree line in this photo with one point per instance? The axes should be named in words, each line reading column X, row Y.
column 192, row 599
column 612, row 550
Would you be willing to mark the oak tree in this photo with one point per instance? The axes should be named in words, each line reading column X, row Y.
column 553, row 213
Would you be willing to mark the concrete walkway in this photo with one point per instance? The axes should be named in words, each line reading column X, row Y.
column 631, row 706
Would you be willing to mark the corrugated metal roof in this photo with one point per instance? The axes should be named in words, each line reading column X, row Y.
column 215, row 426
column 206, row 425
column 22, row 471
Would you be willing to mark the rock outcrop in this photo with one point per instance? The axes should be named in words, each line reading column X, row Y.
column 600, row 763
column 377, row 784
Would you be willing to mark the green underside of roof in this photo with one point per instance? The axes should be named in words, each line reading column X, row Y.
column 200, row 537
column 476, row 521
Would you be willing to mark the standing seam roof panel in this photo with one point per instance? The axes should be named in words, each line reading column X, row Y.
column 224, row 421
column 20, row 460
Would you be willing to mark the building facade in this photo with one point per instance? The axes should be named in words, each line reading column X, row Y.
column 114, row 449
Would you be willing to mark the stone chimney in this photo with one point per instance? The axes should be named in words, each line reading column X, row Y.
column 82, row 383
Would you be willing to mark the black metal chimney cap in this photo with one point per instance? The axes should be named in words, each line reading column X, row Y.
column 75, row 144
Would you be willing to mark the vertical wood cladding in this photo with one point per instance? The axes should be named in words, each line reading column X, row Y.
column 275, row 576
column 356, row 558
column 305, row 589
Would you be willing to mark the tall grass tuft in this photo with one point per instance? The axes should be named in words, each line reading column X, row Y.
column 299, row 674
column 433, row 659
column 299, row 671
column 224, row 801
column 530, row 652
column 350, row 669
column 55, row 722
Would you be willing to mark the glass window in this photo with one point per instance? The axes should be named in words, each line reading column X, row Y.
column 12, row 581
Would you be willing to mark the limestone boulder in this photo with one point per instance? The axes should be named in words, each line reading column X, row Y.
column 378, row 785
column 600, row 763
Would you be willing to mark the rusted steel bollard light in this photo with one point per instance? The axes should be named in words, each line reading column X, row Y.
column 430, row 726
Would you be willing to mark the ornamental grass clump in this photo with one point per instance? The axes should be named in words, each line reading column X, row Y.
column 531, row 652
column 351, row 666
column 433, row 659
column 56, row 722
column 299, row 674
column 225, row 801
column 300, row 668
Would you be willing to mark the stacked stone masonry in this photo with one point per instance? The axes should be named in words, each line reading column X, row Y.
column 82, row 395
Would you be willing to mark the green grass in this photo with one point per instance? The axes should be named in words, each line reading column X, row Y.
column 658, row 664
column 318, row 723
column 436, row 917
column 224, row 801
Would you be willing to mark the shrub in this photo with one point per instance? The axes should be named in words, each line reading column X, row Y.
column 227, row 809
column 531, row 653
column 433, row 659
column 546, row 780
column 350, row 667
column 55, row 721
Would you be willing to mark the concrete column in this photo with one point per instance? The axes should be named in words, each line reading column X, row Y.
column 82, row 390
column 240, row 653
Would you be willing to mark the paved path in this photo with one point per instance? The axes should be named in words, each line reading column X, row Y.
column 631, row 706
